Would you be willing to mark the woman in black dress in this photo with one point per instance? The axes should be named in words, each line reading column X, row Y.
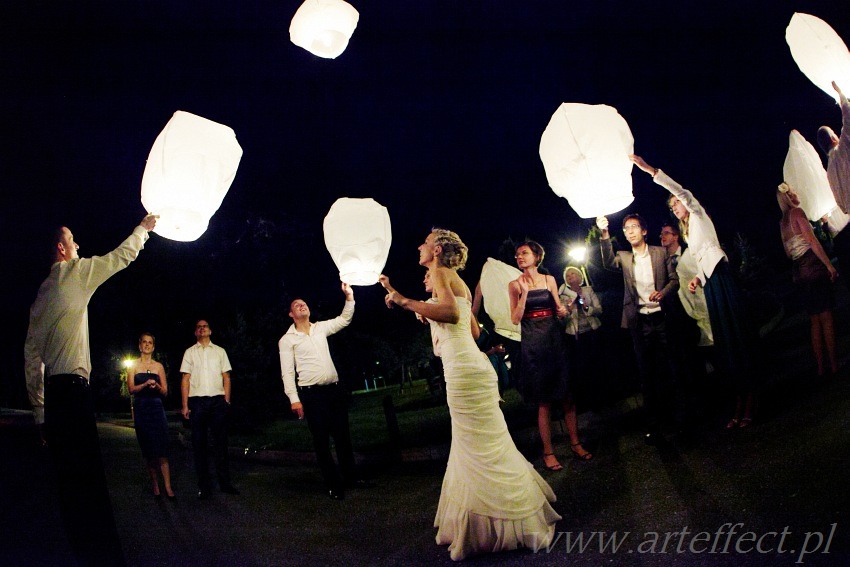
column 535, row 304
column 146, row 381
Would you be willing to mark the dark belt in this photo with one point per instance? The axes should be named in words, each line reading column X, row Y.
column 67, row 379
column 650, row 316
column 538, row 313
column 318, row 386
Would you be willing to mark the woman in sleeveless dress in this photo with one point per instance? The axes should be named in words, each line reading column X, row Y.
column 147, row 383
column 813, row 274
column 535, row 305
column 492, row 499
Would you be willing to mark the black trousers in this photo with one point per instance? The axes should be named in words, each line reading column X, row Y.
column 326, row 411
column 658, row 370
column 84, row 504
column 209, row 414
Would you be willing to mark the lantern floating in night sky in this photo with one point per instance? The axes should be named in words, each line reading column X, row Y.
column 190, row 168
column 323, row 27
column 585, row 152
column 358, row 237
column 804, row 172
column 495, row 277
column 819, row 52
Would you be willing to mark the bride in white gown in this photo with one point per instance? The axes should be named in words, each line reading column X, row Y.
column 492, row 498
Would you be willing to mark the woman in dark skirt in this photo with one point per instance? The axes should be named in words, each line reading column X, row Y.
column 146, row 381
column 813, row 274
column 734, row 335
column 535, row 305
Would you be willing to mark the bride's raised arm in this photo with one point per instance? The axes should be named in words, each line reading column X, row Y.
column 444, row 311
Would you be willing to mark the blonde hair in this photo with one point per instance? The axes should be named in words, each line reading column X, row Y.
column 573, row 268
column 683, row 223
column 454, row 251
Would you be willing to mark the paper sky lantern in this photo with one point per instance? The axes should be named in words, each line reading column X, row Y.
column 323, row 27
column 495, row 277
column 819, row 52
column 804, row 172
column 585, row 151
column 358, row 236
column 190, row 168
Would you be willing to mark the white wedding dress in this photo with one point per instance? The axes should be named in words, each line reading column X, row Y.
column 492, row 498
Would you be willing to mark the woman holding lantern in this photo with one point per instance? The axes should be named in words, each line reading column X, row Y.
column 492, row 499
column 813, row 274
column 545, row 369
column 734, row 338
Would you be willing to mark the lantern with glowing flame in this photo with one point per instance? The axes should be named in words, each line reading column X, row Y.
column 819, row 52
column 190, row 168
column 585, row 151
column 323, row 27
column 358, row 237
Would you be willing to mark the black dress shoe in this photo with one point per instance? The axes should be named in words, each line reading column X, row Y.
column 204, row 494
column 230, row 489
column 336, row 493
column 359, row 483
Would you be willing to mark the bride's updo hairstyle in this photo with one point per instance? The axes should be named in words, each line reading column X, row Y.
column 454, row 251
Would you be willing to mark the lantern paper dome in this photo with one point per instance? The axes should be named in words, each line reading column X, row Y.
column 190, row 168
column 819, row 52
column 585, row 152
column 804, row 172
column 323, row 27
column 358, row 237
column 495, row 277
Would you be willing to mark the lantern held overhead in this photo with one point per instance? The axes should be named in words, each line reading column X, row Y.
column 323, row 27
column 358, row 236
column 191, row 165
column 585, row 152
column 804, row 172
column 819, row 52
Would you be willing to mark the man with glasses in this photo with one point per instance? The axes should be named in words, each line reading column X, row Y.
column 205, row 390
column 650, row 281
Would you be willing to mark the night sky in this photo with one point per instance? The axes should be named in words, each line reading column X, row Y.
column 435, row 110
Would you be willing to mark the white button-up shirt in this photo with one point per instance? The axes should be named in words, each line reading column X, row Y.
column 307, row 354
column 205, row 366
column 645, row 281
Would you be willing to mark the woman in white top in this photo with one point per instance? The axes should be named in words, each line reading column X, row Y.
column 813, row 274
column 583, row 348
column 734, row 337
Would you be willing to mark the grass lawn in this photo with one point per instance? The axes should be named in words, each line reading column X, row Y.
column 423, row 420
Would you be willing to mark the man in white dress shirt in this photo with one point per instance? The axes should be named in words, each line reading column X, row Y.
column 205, row 390
column 57, row 366
column 311, row 382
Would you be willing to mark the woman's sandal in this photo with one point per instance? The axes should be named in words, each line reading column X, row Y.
column 586, row 456
column 745, row 422
column 556, row 467
column 733, row 423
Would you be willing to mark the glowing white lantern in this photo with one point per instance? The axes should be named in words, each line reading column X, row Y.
column 585, row 151
column 804, row 172
column 190, row 168
column 819, row 52
column 495, row 277
column 358, row 236
column 323, row 27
